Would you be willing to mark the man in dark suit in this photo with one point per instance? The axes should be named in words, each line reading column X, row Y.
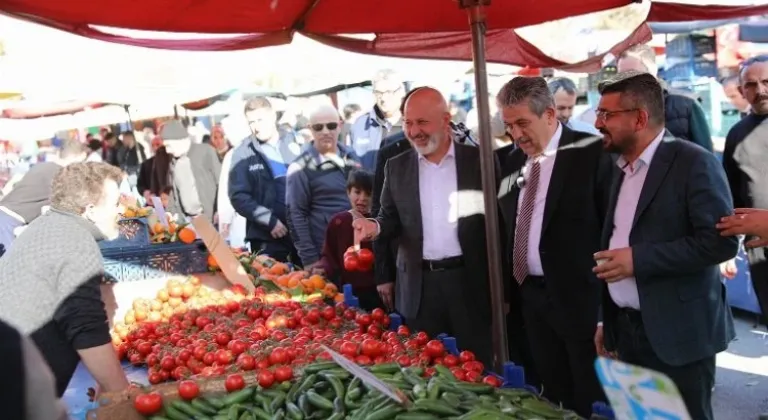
column 432, row 203
column 664, row 303
column 553, row 197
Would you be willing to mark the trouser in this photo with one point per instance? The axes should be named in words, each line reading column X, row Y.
column 564, row 359
column 7, row 235
column 280, row 249
column 758, row 271
column 369, row 298
column 694, row 380
column 443, row 310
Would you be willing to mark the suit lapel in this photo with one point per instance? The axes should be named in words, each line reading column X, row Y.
column 560, row 170
column 412, row 187
column 660, row 164
column 509, row 191
column 613, row 197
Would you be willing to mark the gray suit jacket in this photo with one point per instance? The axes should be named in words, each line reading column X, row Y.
column 676, row 251
column 400, row 217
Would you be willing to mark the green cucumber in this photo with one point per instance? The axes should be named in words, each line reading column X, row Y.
column 188, row 409
column 174, row 414
column 435, row 407
column 320, row 366
column 389, row 368
column 319, row 401
column 237, row 397
column 294, row 412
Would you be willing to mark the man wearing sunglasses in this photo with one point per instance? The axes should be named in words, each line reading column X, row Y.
column 317, row 184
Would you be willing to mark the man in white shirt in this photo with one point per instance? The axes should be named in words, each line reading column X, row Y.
column 564, row 94
column 432, row 203
column 663, row 302
column 553, row 198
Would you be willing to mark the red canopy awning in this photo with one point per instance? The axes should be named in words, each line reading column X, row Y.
column 61, row 108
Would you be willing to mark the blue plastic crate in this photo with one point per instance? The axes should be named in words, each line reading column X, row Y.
column 154, row 261
column 133, row 233
column 691, row 70
column 691, row 46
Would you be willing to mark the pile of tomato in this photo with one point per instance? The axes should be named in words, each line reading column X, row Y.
column 276, row 339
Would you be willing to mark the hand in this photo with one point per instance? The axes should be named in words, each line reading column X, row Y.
column 147, row 197
column 614, row 265
column 728, row 269
column 317, row 270
column 753, row 222
column 386, row 291
column 279, row 230
column 600, row 344
column 365, row 230
column 224, row 230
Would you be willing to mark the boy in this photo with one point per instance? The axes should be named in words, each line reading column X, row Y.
column 339, row 236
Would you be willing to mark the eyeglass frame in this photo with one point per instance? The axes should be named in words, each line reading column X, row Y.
column 604, row 114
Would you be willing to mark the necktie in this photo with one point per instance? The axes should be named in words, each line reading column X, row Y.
column 523, row 226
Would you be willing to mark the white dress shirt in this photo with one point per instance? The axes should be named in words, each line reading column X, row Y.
column 624, row 292
column 438, row 192
column 547, row 161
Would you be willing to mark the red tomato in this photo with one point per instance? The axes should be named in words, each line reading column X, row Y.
column 374, row 330
column 492, row 380
column 155, row 378
column 459, row 373
column 473, row 366
column 253, row 313
column 378, row 314
column 403, row 361
column 403, row 331
column 188, row 390
column 370, row 347
column 363, row 319
column 313, row 315
column 421, row 338
column 450, row 360
column 237, row 347
column 472, row 376
column 363, row 360
column 144, row 348
column 365, row 256
column 246, row 362
column 351, row 263
column 222, row 338
column 265, row 378
column 167, row 363
column 148, row 404
column 434, row 348
column 466, row 356
column 234, row 382
column 283, row 373
column 349, row 349
column 223, row 356
column 329, row 313
column 278, row 356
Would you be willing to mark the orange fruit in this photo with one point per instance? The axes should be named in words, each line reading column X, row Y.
column 292, row 282
column 129, row 213
column 158, row 228
column 187, row 235
column 318, row 282
column 279, row 268
column 338, row 298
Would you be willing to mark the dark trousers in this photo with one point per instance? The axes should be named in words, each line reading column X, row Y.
column 369, row 298
column 519, row 346
column 694, row 380
column 759, row 273
column 564, row 359
column 443, row 310
column 7, row 225
column 280, row 249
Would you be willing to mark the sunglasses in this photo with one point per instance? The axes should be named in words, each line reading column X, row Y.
column 330, row 126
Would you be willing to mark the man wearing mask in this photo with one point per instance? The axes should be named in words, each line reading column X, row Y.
column 746, row 164
column 257, row 181
column 316, row 185
column 25, row 202
column 664, row 305
column 684, row 117
column 383, row 120
column 58, row 302
column 195, row 170
column 564, row 93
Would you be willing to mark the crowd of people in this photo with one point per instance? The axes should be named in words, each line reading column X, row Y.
column 613, row 235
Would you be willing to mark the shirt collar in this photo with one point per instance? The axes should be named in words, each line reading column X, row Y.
column 553, row 144
column 645, row 158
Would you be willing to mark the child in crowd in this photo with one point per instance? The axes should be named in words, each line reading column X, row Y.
column 339, row 237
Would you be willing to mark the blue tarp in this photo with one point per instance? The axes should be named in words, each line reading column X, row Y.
column 692, row 26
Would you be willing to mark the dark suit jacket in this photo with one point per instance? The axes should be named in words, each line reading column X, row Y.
column 400, row 218
column 384, row 270
column 676, row 250
column 574, row 212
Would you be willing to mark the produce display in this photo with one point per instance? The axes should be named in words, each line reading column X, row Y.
column 326, row 391
column 267, row 350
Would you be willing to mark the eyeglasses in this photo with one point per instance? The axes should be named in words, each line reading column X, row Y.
column 603, row 114
column 380, row 93
column 330, row 126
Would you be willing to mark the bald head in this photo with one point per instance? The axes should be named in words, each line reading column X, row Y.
column 426, row 121
column 324, row 113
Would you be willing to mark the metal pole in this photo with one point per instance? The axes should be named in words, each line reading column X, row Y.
column 487, row 164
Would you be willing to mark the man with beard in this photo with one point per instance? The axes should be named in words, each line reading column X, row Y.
column 316, row 184
column 564, row 93
column 553, row 198
column 684, row 117
column 744, row 160
column 663, row 301
column 431, row 203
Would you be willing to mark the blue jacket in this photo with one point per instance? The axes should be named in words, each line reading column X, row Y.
column 255, row 190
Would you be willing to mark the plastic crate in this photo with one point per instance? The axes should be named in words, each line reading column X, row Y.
column 691, row 70
column 691, row 46
column 133, row 233
column 154, row 261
